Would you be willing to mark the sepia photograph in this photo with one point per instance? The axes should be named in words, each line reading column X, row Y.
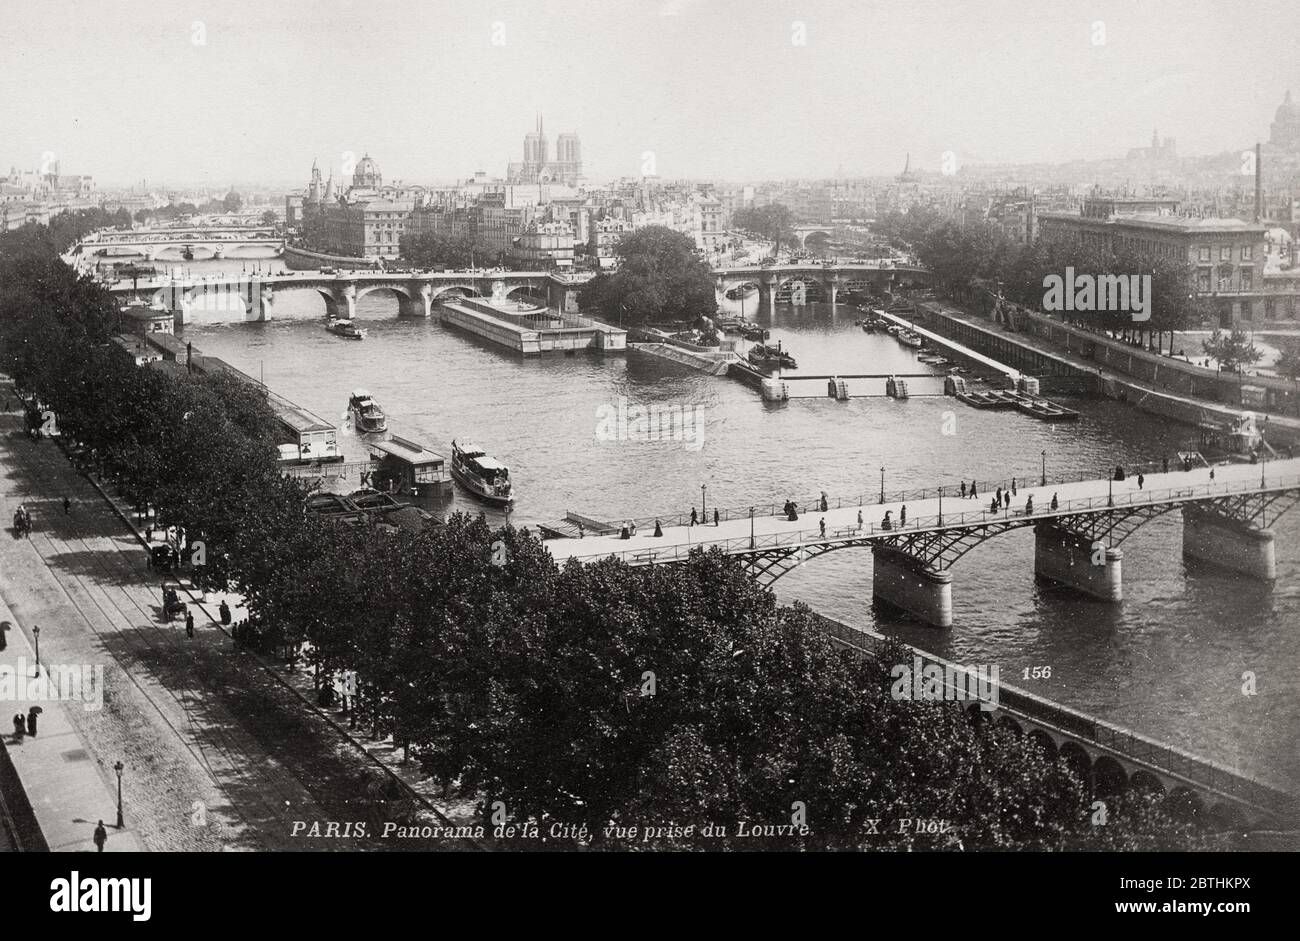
column 714, row 430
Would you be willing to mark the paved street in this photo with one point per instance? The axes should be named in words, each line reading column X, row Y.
column 218, row 754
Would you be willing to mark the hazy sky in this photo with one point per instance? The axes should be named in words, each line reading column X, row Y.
column 728, row 89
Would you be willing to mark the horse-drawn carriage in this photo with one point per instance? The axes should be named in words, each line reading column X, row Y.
column 172, row 604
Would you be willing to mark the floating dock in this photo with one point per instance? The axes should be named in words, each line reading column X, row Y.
column 531, row 331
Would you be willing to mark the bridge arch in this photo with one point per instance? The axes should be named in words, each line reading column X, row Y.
column 942, row 548
column 809, row 285
column 1109, row 778
column 447, row 292
column 528, row 292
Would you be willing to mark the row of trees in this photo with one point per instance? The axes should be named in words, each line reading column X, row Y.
column 427, row 250
column 599, row 696
column 970, row 258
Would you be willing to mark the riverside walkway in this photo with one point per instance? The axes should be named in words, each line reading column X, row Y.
column 218, row 754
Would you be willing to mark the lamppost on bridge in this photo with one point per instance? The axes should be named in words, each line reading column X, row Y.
column 1110, row 490
column 882, row 483
column 940, row 506
column 751, row 527
column 1043, row 479
column 703, row 508
column 118, row 767
column 36, row 633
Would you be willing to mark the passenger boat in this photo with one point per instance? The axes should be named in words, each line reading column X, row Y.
column 487, row 479
column 366, row 413
column 346, row 329
column 908, row 338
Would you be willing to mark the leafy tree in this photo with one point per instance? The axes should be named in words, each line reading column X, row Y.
column 659, row 278
column 773, row 221
column 428, row 250
column 1232, row 351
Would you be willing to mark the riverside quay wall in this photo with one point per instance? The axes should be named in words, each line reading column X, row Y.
column 1067, row 359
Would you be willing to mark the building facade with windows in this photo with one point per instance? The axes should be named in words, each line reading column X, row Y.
column 1226, row 255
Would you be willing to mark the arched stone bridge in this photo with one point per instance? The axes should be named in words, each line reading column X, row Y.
column 821, row 281
column 416, row 293
column 213, row 241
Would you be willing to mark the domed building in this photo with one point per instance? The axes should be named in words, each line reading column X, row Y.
column 1284, row 134
column 367, row 175
column 365, row 223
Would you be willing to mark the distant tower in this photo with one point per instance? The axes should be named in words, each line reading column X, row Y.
column 329, row 189
column 313, row 188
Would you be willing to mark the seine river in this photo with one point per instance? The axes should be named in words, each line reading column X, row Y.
column 1168, row 662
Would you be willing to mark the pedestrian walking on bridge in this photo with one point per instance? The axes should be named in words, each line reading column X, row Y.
column 963, row 489
column 902, row 515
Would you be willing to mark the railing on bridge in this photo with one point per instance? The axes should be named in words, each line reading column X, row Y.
column 872, row 498
column 1160, row 757
column 809, row 538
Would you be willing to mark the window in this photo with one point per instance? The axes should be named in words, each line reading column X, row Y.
column 1203, row 279
column 1247, row 252
column 1225, row 253
column 1247, row 278
column 1203, row 253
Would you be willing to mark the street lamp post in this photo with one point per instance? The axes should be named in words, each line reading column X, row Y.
column 751, row 527
column 703, row 509
column 36, row 633
column 882, row 483
column 1110, row 491
column 118, row 768
column 940, row 506
column 1043, row 479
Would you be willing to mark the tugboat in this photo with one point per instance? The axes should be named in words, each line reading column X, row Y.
column 767, row 356
column 366, row 413
column 346, row 329
column 752, row 331
column 487, row 479
column 908, row 338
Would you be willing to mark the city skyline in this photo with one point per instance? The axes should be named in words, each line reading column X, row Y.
column 681, row 89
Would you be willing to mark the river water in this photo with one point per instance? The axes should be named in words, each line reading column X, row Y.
column 1168, row 662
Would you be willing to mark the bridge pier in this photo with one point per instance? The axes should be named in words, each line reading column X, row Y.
column 911, row 585
column 1066, row 557
column 832, row 288
column 417, row 303
column 345, row 302
column 1229, row 543
column 268, row 302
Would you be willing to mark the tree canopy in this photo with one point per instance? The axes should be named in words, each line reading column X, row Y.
column 773, row 221
column 659, row 279
column 428, row 250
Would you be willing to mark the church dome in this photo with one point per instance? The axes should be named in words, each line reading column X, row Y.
column 367, row 173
